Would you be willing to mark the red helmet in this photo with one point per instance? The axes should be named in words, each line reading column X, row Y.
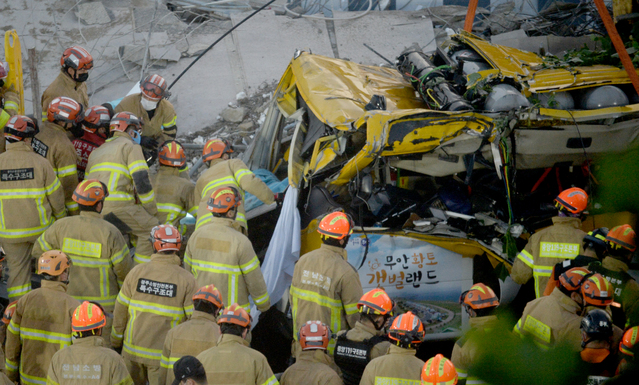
column 172, row 154
column 336, row 225
column 77, row 58
column 154, row 87
column 622, row 237
column 210, row 294
column 627, row 345
column 96, row 117
column 236, row 315
column 215, row 148
column 8, row 312
column 65, row 110
column 90, row 192
column 597, row 291
column 439, row 370
column 224, row 199
column 407, row 330
column 166, row 238
column 572, row 279
column 479, row 296
column 20, row 127
column 122, row 120
column 4, row 70
column 314, row 335
column 87, row 316
column 377, row 302
column 573, row 200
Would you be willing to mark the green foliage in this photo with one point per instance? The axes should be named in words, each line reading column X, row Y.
column 584, row 56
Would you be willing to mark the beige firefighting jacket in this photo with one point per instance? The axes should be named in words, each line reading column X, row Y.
column 326, row 288
column 155, row 297
column 175, row 196
column 11, row 100
column 39, row 328
column 63, row 85
column 88, row 362
column 232, row 361
column 552, row 320
column 231, row 172
column 52, row 143
column 4, row 380
column 630, row 294
column 31, row 196
column 466, row 348
column 547, row 247
column 363, row 332
column 101, row 258
column 313, row 367
column 190, row 338
column 163, row 125
column 218, row 254
column 120, row 164
column 399, row 366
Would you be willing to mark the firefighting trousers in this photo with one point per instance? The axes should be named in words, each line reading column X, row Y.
column 141, row 373
column 140, row 224
column 18, row 256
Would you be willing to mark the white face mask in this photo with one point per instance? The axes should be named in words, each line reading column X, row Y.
column 148, row 105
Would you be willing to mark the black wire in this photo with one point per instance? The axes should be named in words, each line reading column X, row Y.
column 218, row 40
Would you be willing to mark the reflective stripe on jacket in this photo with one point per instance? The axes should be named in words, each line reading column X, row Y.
column 547, row 247
column 163, row 125
column 234, row 173
column 218, row 254
column 175, row 196
column 40, row 326
column 101, row 258
column 155, row 297
column 399, row 366
column 11, row 101
column 312, row 367
column 30, row 194
column 63, row 85
column 325, row 287
column 232, row 361
column 88, row 362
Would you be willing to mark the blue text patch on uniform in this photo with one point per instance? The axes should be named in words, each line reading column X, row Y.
column 16, row 174
column 39, row 147
column 161, row 289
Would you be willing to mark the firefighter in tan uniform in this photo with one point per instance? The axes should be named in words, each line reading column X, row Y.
column 41, row 324
column 155, row 297
column 223, row 172
column 325, row 286
column 9, row 101
column 232, row 361
column 480, row 303
column 158, row 114
column 76, row 63
column 439, row 371
column 87, row 361
column 6, row 319
column 313, row 365
column 53, row 143
column 101, row 258
column 219, row 254
column 120, row 165
column 399, row 366
column 31, row 199
column 194, row 336
column 561, row 241
column 175, row 195
column 355, row 348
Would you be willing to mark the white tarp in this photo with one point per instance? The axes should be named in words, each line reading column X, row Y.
column 283, row 251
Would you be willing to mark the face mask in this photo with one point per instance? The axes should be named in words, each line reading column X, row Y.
column 148, row 105
column 137, row 138
column 82, row 77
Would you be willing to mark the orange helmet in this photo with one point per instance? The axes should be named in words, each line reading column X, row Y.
column 479, row 296
column 622, row 237
column 597, row 290
column 77, row 58
column 172, row 154
column 53, row 262
column 439, row 370
column 90, row 192
column 224, row 199
column 572, row 279
column 122, row 120
column 65, row 110
column 314, row 335
column 215, row 148
column 627, row 346
column 407, row 330
column 236, row 315
column 336, row 225
column 376, row 302
column 154, row 87
column 8, row 312
column 96, row 117
column 573, row 200
column 87, row 316
column 166, row 238
column 20, row 127
column 210, row 294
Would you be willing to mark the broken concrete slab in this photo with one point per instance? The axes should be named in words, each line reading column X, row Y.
column 235, row 115
column 93, row 13
column 556, row 45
